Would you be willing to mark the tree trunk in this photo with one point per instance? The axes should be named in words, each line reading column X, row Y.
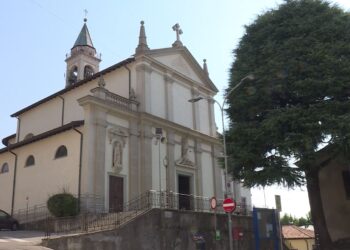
column 317, row 212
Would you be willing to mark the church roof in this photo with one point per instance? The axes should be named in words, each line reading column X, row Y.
column 78, row 84
column 84, row 38
column 44, row 135
column 5, row 140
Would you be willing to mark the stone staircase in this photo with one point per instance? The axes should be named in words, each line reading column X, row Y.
column 111, row 221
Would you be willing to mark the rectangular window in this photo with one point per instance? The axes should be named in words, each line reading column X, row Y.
column 346, row 179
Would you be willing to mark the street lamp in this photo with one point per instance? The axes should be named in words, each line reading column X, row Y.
column 222, row 106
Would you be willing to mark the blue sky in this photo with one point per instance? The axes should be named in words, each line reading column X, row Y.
column 36, row 35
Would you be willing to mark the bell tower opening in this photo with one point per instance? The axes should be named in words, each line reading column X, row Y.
column 83, row 61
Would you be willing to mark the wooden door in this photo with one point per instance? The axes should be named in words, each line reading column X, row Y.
column 184, row 188
column 116, row 193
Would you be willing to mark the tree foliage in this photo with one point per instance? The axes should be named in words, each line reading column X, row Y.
column 299, row 100
column 292, row 220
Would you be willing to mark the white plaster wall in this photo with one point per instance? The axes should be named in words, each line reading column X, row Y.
column 6, row 181
column 118, row 82
column 49, row 175
column 183, row 113
column 41, row 118
column 204, row 118
column 207, row 175
column 180, row 64
column 73, row 111
column 157, row 85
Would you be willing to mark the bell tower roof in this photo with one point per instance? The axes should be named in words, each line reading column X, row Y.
column 84, row 38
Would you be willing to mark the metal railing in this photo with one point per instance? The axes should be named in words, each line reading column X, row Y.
column 94, row 217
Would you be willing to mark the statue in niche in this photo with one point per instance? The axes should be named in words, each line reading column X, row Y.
column 117, row 161
column 184, row 160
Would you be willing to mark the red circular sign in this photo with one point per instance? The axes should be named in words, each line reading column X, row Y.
column 229, row 205
column 213, row 203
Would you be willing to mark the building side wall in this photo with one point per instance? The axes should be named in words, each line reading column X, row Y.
column 336, row 205
column 41, row 118
column 300, row 244
column 6, row 181
column 48, row 176
column 117, row 82
column 48, row 115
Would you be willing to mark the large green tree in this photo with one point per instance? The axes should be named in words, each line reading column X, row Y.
column 298, row 102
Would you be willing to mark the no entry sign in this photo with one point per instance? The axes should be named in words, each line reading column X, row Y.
column 229, row 205
column 213, row 203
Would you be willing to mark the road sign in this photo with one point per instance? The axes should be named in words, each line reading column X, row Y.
column 229, row 205
column 213, row 203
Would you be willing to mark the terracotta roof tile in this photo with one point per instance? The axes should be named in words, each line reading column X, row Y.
column 294, row 232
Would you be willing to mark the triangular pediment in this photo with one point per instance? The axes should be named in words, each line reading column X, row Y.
column 182, row 61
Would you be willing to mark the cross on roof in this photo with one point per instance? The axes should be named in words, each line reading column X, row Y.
column 178, row 31
column 86, row 12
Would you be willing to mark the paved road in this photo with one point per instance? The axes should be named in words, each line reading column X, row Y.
column 21, row 240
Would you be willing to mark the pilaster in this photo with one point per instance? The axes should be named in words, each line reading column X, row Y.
column 134, row 164
column 93, row 169
column 217, row 173
column 169, row 99
column 195, row 110
column 143, row 89
column 171, row 169
column 198, row 159
column 146, row 156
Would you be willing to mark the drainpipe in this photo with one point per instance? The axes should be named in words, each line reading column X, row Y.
column 62, row 118
column 129, row 79
column 14, row 182
column 80, row 165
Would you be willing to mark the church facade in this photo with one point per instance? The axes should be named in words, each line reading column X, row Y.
column 116, row 133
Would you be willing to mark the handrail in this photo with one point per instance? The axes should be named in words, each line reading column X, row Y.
column 95, row 217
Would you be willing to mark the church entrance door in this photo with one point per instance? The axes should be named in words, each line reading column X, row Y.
column 116, row 193
column 184, row 188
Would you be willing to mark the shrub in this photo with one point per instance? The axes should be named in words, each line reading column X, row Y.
column 62, row 205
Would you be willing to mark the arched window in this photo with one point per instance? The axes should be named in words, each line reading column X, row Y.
column 88, row 71
column 4, row 168
column 73, row 75
column 30, row 135
column 61, row 152
column 30, row 161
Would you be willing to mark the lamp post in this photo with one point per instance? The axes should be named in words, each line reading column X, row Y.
column 222, row 106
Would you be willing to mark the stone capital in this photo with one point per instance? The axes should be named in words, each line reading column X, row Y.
column 144, row 67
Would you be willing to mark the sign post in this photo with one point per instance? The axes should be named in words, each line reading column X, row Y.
column 229, row 205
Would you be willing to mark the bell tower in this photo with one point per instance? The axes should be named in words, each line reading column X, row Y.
column 83, row 61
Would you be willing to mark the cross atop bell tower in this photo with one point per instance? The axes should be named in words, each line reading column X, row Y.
column 83, row 61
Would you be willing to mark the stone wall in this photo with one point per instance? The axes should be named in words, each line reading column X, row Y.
column 162, row 230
